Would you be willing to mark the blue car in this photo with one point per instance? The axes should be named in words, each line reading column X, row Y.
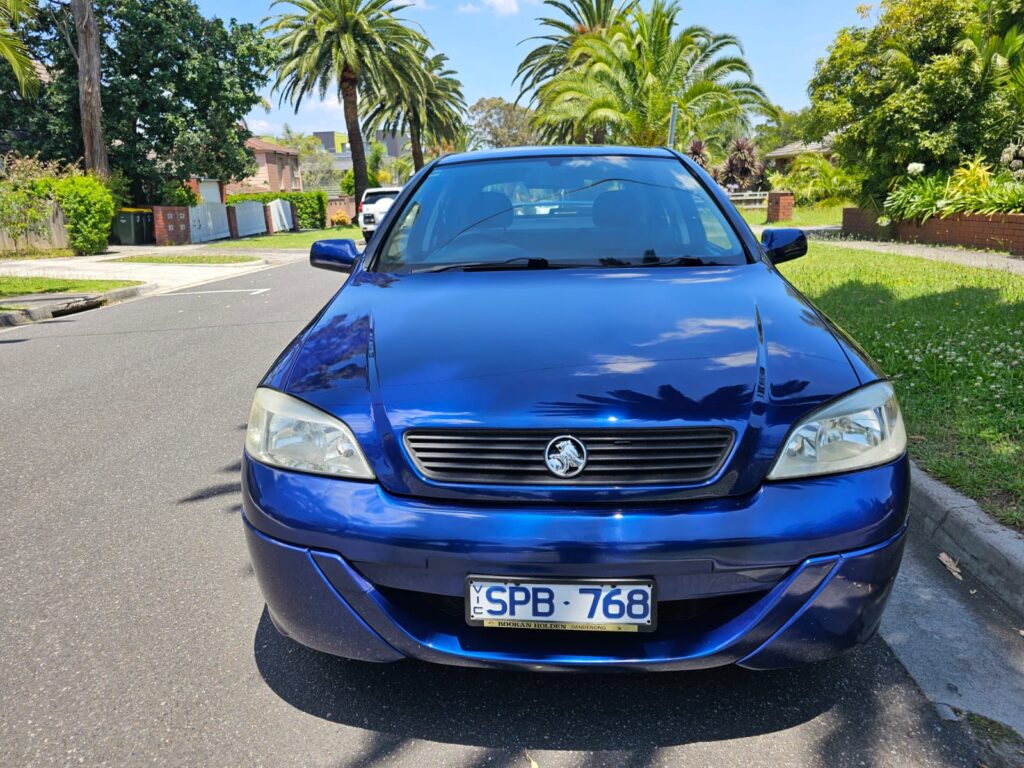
column 565, row 413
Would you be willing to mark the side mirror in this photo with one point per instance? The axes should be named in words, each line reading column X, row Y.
column 339, row 255
column 784, row 244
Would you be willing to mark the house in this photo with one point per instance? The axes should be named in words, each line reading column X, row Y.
column 783, row 157
column 337, row 145
column 277, row 169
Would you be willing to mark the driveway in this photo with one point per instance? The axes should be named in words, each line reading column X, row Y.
column 134, row 632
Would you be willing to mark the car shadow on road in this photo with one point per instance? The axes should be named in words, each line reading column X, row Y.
column 517, row 710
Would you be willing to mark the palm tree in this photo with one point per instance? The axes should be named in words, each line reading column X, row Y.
column 345, row 45
column 628, row 77
column 580, row 19
column 430, row 109
column 12, row 49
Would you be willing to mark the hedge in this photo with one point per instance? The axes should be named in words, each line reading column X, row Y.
column 88, row 210
column 310, row 206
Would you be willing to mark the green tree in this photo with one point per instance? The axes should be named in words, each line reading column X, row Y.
column 627, row 79
column 341, row 46
column 495, row 122
column 176, row 88
column 429, row 111
column 578, row 19
column 13, row 49
column 784, row 128
column 315, row 163
column 904, row 90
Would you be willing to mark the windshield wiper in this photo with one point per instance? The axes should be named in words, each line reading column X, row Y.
column 520, row 262
column 680, row 261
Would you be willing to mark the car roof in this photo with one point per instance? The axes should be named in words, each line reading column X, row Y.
column 598, row 150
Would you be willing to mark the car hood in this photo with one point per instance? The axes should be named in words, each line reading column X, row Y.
column 569, row 350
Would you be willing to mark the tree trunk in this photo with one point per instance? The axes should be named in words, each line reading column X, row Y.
column 414, row 141
column 89, row 101
column 350, row 104
column 600, row 136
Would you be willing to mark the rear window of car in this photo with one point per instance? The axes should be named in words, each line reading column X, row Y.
column 599, row 211
column 372, row 197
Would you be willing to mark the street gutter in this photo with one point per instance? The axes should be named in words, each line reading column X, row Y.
column 60, row 307
column 989, row 551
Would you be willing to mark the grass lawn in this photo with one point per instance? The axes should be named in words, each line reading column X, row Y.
column 186, row 258
column 952, row 339
column 22, row 286
column 296, row 240
column 803, row 216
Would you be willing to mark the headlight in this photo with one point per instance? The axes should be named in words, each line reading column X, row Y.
column 288, row 433
column 863, row 429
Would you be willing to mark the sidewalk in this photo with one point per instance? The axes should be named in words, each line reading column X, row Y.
column 962, row 256
column 158, row 278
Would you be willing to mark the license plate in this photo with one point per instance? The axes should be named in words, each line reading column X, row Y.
column 602, row 605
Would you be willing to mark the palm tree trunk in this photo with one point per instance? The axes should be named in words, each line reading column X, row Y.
column 414, row 141
column 350, row 105
column 600, row 136
column 89, row 101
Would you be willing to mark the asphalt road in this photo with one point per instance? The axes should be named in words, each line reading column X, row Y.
column 133, row 631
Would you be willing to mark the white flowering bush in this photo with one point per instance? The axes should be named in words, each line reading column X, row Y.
column 1012, row 160
column 915, row 169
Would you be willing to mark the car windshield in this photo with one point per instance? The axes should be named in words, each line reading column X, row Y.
column 548, row 212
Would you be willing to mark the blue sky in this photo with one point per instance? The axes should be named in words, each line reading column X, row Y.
column 782, row 41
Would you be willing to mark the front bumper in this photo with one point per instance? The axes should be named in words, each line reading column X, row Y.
column 796, row 572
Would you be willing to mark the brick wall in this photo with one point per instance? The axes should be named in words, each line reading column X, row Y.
column 1002, row 232
column 170, row 225
column 780, row 206
column 864, row 224
column 347, row 204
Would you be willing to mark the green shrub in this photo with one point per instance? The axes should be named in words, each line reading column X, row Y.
column 814, row 179
column 374, row 178
column 120, row 187
column 970, row 189
column 23, row 212
column 173, row 192
column 311, row 207
column 918, row 198
column 88, row 210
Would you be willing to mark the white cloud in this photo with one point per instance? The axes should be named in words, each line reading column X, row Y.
column 503, row 7
column 263, row 127
column 468, row 8
column 419, row 5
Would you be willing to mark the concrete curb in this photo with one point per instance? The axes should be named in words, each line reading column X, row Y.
column 991, row 552
column 70, row 307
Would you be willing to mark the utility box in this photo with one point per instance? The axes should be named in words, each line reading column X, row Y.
column 134, row 226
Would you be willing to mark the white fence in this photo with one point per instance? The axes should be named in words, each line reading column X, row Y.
column 208, row 221
column 749, row 199
column 249, row 215
column 280, row 215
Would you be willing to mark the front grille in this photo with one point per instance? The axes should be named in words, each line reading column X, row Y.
column 614, row 457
